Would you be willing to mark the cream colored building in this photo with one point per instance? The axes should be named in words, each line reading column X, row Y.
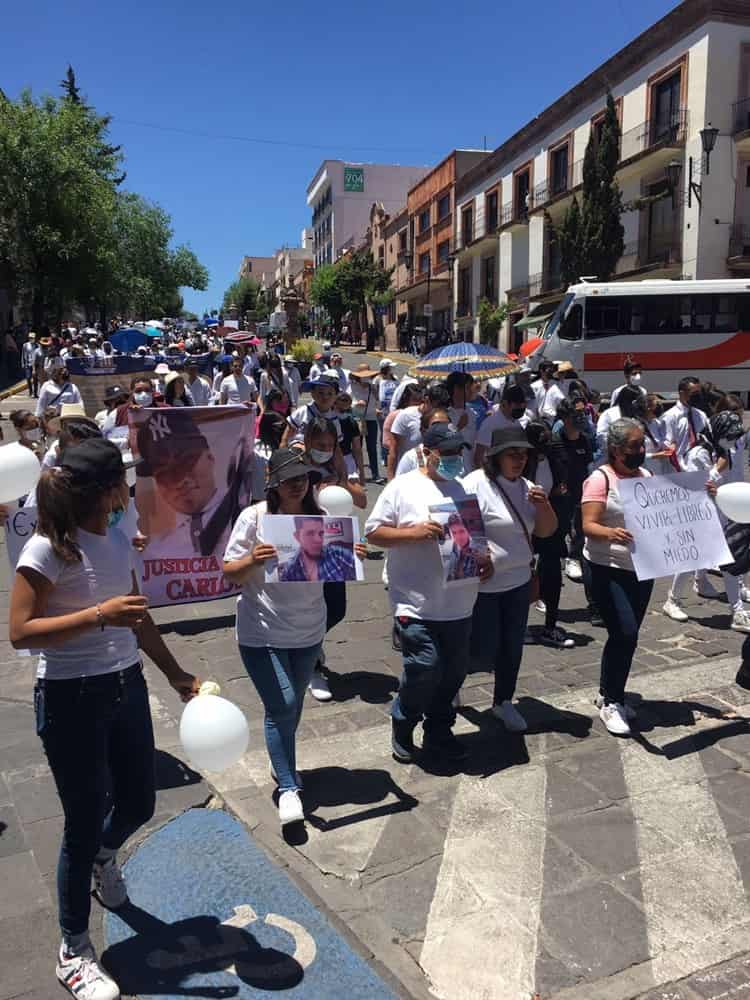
column 687, row 73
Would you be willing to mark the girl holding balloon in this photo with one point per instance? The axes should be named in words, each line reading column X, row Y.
column 75, row 600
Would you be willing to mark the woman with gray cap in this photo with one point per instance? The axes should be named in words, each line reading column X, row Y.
column 513, row 510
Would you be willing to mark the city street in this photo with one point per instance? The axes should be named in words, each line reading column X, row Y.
column 565, row 863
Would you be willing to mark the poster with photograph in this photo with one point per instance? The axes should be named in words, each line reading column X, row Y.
column 198, row 470
column 311, row 548
column 464, row 541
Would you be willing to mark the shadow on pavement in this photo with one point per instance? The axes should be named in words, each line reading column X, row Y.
column 373, row 689
column 663, row 714
column 160, row 956
column 195, row 626
column 173, row 773
column 328, row 787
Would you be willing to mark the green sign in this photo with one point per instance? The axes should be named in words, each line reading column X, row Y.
column 354, row 179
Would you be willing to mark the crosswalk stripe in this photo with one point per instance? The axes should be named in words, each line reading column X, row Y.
column 481, row 937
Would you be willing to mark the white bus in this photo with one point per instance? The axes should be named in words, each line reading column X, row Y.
column 672, row 328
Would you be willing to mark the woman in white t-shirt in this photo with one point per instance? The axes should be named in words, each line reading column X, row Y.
column 75, row 600
column 280, row 626
column 513, row 510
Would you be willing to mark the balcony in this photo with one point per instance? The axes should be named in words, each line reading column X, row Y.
column 741, row 116
column 555, row 192
column 519, row 293
column 739, row 248
column 655, row 139
column 480, row 230
column 512, row 216
column 547, row 283
column 463, row 309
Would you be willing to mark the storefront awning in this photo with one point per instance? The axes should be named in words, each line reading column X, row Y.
column 533, row 319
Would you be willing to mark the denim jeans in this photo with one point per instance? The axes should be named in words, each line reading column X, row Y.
column 435, row 656
column 497, row 632
column 334, row 594
column 281, row 677
column 371, row 441
column 622, row 600
column 97, row 735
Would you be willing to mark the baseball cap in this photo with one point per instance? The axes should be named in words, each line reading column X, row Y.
column 113, row 391
column 443, row 437
column 94, row 460
column 322, row 382
column 169, row 437
column 385, row 363
column 506, row 437
column 288, row 463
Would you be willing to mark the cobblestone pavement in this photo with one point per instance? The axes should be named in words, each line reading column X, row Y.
column 564, row 862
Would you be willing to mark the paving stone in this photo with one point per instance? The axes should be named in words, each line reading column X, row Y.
column 562, row 868
column 730, row 981
column 36, row 799
column 667, row 993
column 649, row 659
column 731, row 792
column 44, row 837
column 601, row 767
column 23, row 887
column 566, row 793
column 29, row 970
column 681, row 655
column 12, row 840
column 4, row 791
column 606, row 840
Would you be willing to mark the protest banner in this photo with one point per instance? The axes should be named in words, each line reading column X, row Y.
column 464, row 540
column 19, row 528
column 675, row 524
column 198, row 470
column 311, row 548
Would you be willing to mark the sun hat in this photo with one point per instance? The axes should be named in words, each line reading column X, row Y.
column 113, row 391
column 507, row 437
column 68, row 410
column 288, row 463
column 363, row 371
column 162, row 369
column 172, row 377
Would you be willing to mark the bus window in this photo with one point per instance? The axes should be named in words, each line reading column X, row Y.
column 726, row 319
column 571, row 327
column 604, row 316
column 552, row 327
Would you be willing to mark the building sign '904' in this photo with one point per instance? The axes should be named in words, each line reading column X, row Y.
column 354, row 179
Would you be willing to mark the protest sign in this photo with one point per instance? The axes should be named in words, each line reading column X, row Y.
column 675, row 524
column 311, row 548
column 18, row 530
column 198, row 471
column 464, row 539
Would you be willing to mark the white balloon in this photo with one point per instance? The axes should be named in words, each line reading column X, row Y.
column 733, row 499
column 213, row 732
column 19, row 472
column 336, row 501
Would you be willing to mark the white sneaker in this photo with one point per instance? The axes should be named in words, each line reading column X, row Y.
column 573, row 569
column 541, row 607
column 290, row 808
column 628, row 710
column 511, row 718
column 109, row 884
column 672, row 609
column 613, row 717
column 297, row 776
column 704, row 588
column 82, row 976
column 745, row 594
column 741, row 621
column 319, row 688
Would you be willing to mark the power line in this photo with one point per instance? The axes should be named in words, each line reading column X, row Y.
column 259, row 141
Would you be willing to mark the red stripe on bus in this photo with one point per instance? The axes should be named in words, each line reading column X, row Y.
column 731, row 352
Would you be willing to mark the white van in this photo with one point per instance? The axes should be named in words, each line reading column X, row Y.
column 672, row 328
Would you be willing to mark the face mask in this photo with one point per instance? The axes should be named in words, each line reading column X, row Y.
column 115, row 516
column 634, row 379
column 634, row 461
column 450, row 467
column 320, row 457
column 32, row 435
column 143, row 398
column 517, row 412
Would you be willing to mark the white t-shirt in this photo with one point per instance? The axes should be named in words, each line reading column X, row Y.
column 106, row 570
column 286, row 615
column 616, row 392
column 495, row 422
column 200, row 391
column 678, row 430
column 304, row 415
column 408, row 426
column 415, row 569
column 237, row 390
column 365, row 399
column 51, row 394
column 410, row 460
column 547, row 398
column 509, row 549
column 397, row 392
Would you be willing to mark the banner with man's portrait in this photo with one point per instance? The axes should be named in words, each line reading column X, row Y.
column 197, row 471
column 312, row 548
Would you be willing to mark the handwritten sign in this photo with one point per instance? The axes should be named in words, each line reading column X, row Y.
column 675, row 524
column 18, row 530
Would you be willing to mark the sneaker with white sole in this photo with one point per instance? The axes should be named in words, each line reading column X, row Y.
column 297, row 777
column 83, row 977
column 745, row 594
column 628, row 710
column 613, row 717
column 556, row 637
column 741, row 621
column 109, row 884
column 704, row 588
column 541, row 607
column 573, row 569
column 290, row 808
column 511, row 718
column 673, row 610
column 319, row 688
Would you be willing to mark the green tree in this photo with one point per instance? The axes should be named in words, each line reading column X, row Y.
column 362, row 279
column 491, row 320
column 327, row 291
column 592, row 235
column 247, row 295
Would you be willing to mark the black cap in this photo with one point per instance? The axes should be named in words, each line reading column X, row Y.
column 287, row 463
column 94, row 460
column 443, row 437
column 507, row 437
column 113, row 391
column 323, row 381
column 169, row 437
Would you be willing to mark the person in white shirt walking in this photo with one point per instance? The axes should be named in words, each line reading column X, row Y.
column 337, row 368
column 684, row 421
column 58, row 389
column 237, row 388
column 547, row 392
column 458, row 386
column 633, row 372
column 510, row 412
column 198, row 387
column 27, row 362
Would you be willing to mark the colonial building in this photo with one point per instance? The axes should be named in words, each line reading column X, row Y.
column 681, row 88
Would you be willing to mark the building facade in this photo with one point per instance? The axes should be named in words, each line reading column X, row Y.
column 341, row 195
column 688, row 73
column 263, row 269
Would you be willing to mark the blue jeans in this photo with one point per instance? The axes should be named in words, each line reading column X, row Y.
column 622, row 600
column 435, row 656
column 281, row 677
column 97, row 735
column 497, row 634
column 371, row 440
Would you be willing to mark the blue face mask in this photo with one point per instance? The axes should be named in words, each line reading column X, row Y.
column 115, row 516
column 451, row 467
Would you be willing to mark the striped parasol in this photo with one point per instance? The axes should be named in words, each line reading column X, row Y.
column 479, row 360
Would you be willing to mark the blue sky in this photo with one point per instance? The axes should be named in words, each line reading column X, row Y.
column 378, row 82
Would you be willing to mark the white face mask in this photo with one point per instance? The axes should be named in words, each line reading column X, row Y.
column 634, row 379
column 32, row 435
column 143, row 398
column 320, row 457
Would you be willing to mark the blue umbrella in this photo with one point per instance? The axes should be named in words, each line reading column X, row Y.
column 127, row 339
column 479, row 360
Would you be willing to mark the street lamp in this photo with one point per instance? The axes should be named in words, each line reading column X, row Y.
column 708, row 135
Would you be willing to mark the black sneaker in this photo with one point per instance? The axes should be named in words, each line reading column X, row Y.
column 743, row 676
column 445, row 745
column 402, row 742
column 596, row 619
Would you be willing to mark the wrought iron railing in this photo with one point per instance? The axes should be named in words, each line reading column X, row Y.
column 546, row 281
column 739, row 241
column 741, row 116
column 664, row 130
column 512, row 213
column 555, row 187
